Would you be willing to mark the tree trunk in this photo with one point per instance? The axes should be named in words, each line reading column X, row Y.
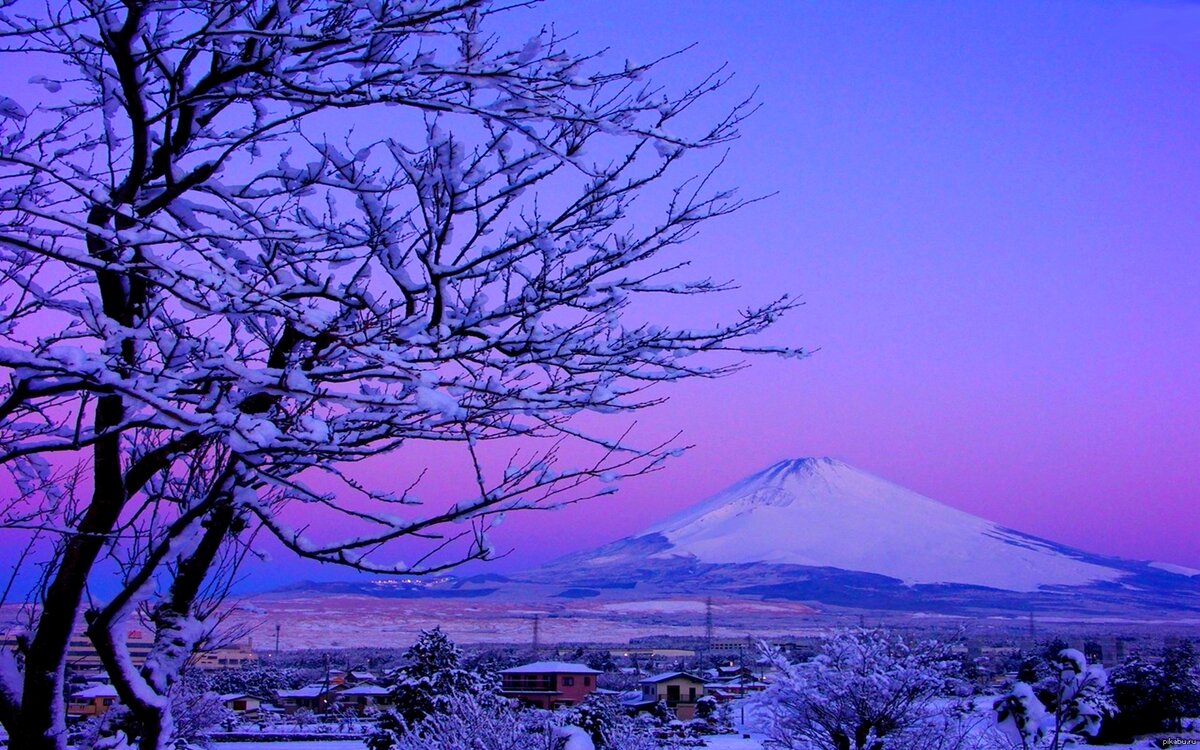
column 41, row 723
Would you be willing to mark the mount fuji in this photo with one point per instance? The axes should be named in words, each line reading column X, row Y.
column 818, row 530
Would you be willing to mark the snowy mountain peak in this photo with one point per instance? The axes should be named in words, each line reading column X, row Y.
column 821, row 512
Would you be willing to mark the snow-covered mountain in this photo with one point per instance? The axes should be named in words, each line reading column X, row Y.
column 818, row 529
column 825, row 513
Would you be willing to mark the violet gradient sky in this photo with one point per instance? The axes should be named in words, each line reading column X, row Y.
column 991, row 210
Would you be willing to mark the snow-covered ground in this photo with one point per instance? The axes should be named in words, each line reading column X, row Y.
column 717, row 742
column 301, row 745
column 734, row 742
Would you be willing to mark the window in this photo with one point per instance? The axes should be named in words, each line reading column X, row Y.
column 568, row 681
column 587, row 681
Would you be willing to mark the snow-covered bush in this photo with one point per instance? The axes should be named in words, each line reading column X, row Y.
column 598, row 715
column 608, row 726
column 1154, row 694
column 865, row 690
column 713, row 716
column 433, row 676
column 471, row 724
column 1076, row 698
column 257, row 679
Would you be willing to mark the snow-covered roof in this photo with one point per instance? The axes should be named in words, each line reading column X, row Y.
column 308, row 691
column 365, row 690
column 226, row 697
column 551, row 667
column 638, row 701
column 664, row 676
column 97, row 691
column 735, row 685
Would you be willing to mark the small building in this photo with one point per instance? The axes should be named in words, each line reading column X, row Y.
column 228, row 656
column 364, row 697
column 733, row 688
column 92, row 701
column 242, row 703
column 548, row 684
column 313, row 697
column 679, row 690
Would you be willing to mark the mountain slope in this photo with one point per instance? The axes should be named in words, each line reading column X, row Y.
column 821, row 530
column 824, row 513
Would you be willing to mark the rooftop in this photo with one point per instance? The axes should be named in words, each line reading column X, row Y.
column 664, row 676
column 551, row 667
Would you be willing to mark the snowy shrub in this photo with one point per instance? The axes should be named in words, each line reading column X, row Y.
column 865, row 690
column 257, row 679
column 607, row 724
column 1154, row 695
column 433, row 676
column 470, row 724
column 597, row 715
column 1051, row 714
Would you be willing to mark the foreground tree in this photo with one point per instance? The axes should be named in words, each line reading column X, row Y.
column 433, row 676
column 1153, row 695
column 865, row 690
column 217, row 296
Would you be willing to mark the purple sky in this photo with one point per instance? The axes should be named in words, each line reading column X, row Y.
column 991, row 212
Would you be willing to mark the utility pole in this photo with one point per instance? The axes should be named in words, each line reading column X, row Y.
column 708, row 624
column 277, row 627
column 537, row 621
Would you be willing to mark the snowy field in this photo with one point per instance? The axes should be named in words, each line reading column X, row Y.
column 724, row 742
column 304, row 745
column 719, row 742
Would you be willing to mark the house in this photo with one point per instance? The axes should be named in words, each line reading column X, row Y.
column 242, row 703
column 680, row 691
column 363, row 697
column 733, row 688
column 548, row 684
column 313, row 697
column 92, row 701
column 362, row 675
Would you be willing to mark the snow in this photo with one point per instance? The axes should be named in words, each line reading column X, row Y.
column 734, row 742
column 825, row 513
column 664, row 676
column 544, row 667
column 1179, row 569
column 577, row 739
column 655, row 605
column 97, row 691
column 298, row 745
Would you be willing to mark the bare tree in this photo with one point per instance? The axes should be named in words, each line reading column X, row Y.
column 245, row 244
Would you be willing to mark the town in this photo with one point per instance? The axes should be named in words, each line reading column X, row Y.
column 678, row 690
